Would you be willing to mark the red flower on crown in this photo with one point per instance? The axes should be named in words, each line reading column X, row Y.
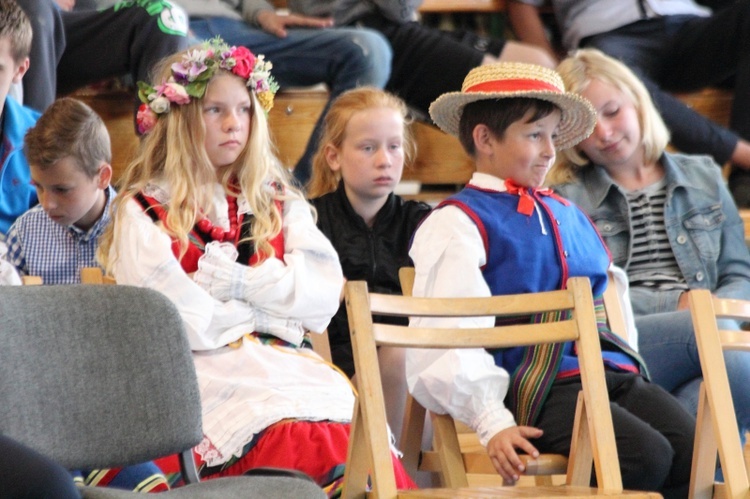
column 244, row 62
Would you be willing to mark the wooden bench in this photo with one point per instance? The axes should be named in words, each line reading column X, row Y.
column 441, row 163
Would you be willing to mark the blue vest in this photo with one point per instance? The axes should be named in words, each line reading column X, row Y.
column 539, row 252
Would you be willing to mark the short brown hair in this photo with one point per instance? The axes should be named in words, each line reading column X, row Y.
column 16, row 27
column 69, row 128
column 498, row 115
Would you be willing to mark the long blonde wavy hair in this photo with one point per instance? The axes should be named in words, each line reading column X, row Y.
column 173, row 154
column 577, row 71
column 325, row 180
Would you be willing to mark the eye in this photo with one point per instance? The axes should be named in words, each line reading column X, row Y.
column 611, row 112
column 211, row 110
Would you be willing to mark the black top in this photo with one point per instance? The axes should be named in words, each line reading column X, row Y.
column 369, row 254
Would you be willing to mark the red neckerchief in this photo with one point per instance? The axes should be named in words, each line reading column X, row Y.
column 526, row 198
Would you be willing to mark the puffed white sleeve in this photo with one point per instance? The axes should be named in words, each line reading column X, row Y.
column 307, row 285
column 8, row 273
column 448, row 253
column 142, row 256
column 622, row 285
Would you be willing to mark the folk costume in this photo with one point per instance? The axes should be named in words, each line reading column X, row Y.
column 498, row 237
column 266, row 399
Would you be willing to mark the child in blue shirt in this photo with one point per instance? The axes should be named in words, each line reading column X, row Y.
column 16, row 193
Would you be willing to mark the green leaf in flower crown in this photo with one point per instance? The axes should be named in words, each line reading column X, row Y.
column 144, row 90
column 196, row 89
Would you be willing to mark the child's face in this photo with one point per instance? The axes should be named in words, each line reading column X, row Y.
column 371, row 157
column 227, row 110
column 616, row 140
column 68, row 195
column 525, row 153
column 10, row 71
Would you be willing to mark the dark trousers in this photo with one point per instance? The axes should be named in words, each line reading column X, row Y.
column 26, row 474
column 72, row 49
column 685, row 53
column 654, row 433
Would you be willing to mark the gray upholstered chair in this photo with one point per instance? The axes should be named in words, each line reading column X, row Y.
column 102, row 376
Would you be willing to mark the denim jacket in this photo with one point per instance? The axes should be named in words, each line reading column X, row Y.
column 704, row 228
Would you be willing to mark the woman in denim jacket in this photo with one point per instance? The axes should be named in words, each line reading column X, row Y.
column 676, row 206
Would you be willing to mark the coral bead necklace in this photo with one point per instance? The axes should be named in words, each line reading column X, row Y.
column 217, row 233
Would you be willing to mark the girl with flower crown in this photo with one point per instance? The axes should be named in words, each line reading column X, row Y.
column 206, row 214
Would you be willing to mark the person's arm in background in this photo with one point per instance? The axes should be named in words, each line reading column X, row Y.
column 527, row 25
column 264, row 15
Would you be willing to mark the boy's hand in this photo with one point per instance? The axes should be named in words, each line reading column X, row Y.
column 276, row 24
column 502, row 450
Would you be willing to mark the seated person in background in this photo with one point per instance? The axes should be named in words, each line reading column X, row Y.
column 427, row 62
column 361, row 157
column 69, row 154
column 24, row 474
column 673, row 46
column 503, row 234
column 667, row 219
column 73, row 49
column 305, row 51
column 208, row 217
column 16, row 192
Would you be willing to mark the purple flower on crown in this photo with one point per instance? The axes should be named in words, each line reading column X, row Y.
column 191, row 66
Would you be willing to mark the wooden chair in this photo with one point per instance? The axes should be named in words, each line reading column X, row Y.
column 475, row 467
column 89, row 275
column 369, row 448
column 716, row 427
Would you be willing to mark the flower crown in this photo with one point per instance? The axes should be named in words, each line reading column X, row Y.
column 190, row 78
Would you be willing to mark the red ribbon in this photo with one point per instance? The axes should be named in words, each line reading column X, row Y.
column 513, row 85
column 526, row 196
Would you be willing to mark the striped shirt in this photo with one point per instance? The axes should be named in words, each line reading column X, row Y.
column 39, row 246
column 652, row 262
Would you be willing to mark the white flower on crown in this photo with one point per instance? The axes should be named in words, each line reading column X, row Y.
column 260, row 77
column 160, row 104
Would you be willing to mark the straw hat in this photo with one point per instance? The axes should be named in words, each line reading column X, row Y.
column 516, row 79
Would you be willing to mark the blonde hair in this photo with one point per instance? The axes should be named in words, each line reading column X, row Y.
column 173, row 153
column 577, row 71
column 325, row 180
column 15, row 26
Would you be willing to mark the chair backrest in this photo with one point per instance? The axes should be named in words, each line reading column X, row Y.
column 369, row 448
column 96, row 376
column 716, row 425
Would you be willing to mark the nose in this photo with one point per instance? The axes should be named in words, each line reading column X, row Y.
column 231, row 122
column 382, row 158
column 548, row 150
column 601, row 130
column 47, row 201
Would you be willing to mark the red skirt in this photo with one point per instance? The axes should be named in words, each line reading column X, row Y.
column 315, row 448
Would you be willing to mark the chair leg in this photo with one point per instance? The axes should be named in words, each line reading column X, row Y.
column 357, row 459
column 581, row 457
column 447, row 446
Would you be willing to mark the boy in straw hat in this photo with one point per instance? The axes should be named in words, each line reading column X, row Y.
column 504, row 234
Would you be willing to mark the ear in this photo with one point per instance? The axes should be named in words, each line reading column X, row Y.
column 105, row 176
column 21, row 70
column 483, row 139
column 332, row 157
